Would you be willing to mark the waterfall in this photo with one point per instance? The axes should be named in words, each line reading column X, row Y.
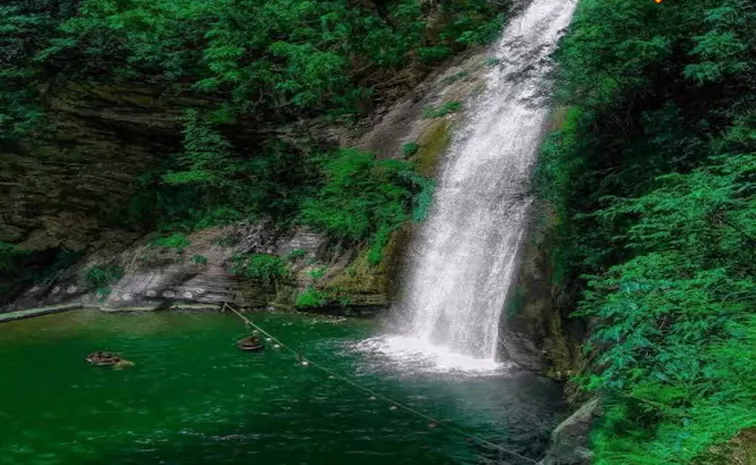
column 462, row 264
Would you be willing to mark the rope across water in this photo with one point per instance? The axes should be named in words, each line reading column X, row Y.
column 373, row 393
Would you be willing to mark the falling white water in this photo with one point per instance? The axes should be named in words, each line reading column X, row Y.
column 462, row 264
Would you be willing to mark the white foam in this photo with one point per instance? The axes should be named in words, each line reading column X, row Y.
column 413, row 354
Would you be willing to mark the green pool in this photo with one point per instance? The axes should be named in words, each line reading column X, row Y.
column 192, row 398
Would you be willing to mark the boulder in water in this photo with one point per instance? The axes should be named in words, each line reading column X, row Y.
column 102, row 358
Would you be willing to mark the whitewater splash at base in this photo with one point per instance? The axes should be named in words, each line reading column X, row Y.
column 463, row 263
column 414, row 354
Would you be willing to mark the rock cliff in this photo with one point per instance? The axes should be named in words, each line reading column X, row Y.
column 59, row 185
column 60, row 189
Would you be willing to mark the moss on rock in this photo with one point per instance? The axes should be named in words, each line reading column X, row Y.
column 432, row 144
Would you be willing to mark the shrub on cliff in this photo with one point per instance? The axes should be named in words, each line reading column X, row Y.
column 363, row 198
column 654, row 175
column 265, row 268
column 100, row 277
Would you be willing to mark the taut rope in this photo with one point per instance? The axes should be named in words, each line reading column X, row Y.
column 375, row 394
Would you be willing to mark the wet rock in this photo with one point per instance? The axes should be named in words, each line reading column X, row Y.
column 570, row 444
column 57, row 186
column 157, row 277
column 536, row 331
column 403, row 122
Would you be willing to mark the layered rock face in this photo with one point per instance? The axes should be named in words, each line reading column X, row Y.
column 59, row 190
column 199, row 276
column 57, row 187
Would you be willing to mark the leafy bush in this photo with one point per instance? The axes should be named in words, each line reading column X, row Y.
column 265, row 268
column 378, row 245
column 318, row 272
column 199, row 259
column 28, row 27
column 214, row 183
column 296, row 254
column 207, row 162
column 362, row 196
column 465, row 26
column 410, row 148
column 443, row 110
column 433, row 54
column 311, row 297
column 101, row 277
column 421, row 203
column 176, row 241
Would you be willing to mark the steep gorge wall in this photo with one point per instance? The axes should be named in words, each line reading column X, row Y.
column 58, row 186
column 61, row 188
column 536, row 329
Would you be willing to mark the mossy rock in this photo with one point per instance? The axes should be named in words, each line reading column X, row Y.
column 432, row 144
column 254, row 294
column 363, row 283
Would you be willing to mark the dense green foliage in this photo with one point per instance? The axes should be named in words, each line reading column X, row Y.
column 263, row 268
column 100, row 278
column 250, row 69
column 263, row 60
column 363, row 198
column 198, row 259
column 213, row 181
column 410, row 148
column 275, row 55
column 176, row 242
column 295, row 255
column 311, row 297
column 653, row 171
column 25, row 29
column 654, row 174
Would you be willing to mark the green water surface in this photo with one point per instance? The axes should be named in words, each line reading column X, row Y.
column 192, row 398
